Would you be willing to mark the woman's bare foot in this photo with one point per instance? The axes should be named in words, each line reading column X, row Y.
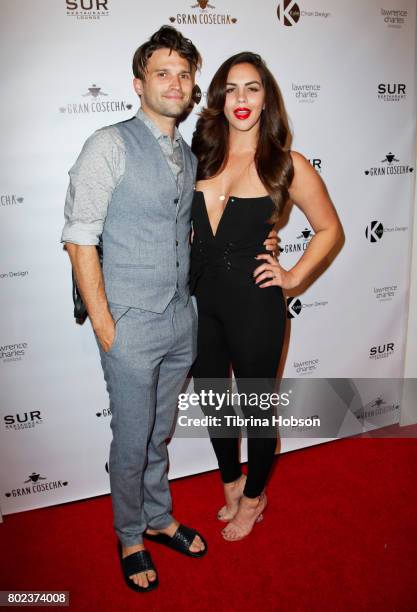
column 233, row 491
column 249, row 512
column 197, row 544
column 143, row 578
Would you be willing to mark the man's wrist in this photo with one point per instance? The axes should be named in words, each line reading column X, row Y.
column 101, row 321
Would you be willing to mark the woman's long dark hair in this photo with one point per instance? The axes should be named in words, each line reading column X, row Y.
column 272, row 158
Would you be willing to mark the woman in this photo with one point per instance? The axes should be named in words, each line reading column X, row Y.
column 246, row 175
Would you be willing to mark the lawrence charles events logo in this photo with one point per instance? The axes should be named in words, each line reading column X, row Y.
column 203, row 13
column 385, row 293
column 306, row 92
column 388, row 166
column 394, row 17
column 96, row 103
column 13, row 352
column 87, row 9
column 306, row 367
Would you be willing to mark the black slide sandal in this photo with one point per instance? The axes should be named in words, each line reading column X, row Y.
column 134, row 564
column 180, row 541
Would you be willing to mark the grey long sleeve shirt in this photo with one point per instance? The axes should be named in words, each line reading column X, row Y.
column 97, row 172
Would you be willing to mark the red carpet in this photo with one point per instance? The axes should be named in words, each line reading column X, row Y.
column 339, row 533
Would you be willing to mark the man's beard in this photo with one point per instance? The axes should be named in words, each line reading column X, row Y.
column 173, row 112
column 166, row 108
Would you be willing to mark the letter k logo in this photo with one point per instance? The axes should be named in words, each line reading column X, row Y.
column 288, row 12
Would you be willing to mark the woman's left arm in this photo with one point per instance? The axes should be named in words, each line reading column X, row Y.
column 309, row 193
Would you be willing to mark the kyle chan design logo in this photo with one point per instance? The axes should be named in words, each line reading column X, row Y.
column 374, row 231
column 203, row 15
column 294, row 307
column 14, row 274
column 288, row 12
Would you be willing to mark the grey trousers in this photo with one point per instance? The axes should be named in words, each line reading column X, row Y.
column 145, row 370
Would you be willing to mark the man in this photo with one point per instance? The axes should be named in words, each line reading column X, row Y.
column 133, row 185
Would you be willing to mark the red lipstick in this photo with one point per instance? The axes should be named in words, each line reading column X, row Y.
column 242, row 112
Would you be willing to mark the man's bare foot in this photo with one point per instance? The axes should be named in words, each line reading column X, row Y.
column 249, row 512
column 233, row 491
column 143, row 578
column 197, row 544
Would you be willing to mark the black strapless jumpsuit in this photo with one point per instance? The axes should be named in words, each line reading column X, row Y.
column 240, row 325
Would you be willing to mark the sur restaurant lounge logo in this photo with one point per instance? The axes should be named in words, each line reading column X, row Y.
column 87, row 9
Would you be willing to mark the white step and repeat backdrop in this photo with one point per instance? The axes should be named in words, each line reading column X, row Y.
column 346, row 69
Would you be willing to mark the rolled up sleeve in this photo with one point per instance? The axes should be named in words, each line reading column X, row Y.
column 93, row 178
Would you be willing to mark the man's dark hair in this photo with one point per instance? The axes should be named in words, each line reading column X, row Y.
column 166, row 37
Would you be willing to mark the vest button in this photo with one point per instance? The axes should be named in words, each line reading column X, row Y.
column 178, row 265
column 176, row 201
column 176, row 242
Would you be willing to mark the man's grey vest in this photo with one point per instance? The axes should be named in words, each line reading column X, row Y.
column 146, row 251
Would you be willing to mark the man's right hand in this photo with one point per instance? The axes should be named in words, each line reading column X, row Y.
column 105, row 332
column 89, row 277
